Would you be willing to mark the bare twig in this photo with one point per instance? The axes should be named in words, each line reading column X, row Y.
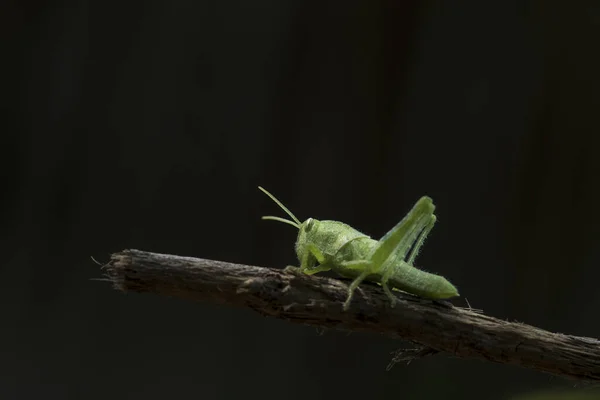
column 314, row 300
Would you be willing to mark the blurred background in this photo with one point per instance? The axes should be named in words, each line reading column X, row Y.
column 149, row 125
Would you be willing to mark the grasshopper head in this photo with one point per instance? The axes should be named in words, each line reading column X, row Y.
column 308, row 232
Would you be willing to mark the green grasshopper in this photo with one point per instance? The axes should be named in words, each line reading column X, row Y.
column 333, row 245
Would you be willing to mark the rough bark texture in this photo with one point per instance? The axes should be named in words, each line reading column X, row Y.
column 318, row 301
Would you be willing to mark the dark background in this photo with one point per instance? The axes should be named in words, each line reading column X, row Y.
column 150, row 124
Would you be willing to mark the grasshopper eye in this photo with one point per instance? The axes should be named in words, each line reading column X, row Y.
column 309, row 224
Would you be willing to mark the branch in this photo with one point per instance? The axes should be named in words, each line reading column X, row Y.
column 314, row 300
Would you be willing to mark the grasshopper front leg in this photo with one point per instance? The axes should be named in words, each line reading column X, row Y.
column 305, row 264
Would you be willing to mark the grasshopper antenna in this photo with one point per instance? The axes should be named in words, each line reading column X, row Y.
column 296, row 223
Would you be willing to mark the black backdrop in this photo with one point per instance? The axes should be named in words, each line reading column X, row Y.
column 149, row 125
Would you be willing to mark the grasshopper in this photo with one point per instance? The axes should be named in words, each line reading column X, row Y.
column 332, row 245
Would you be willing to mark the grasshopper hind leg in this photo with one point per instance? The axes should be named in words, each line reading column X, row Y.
column 416, row 247
column 386, row 289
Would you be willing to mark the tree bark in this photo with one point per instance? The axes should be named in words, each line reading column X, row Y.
column 314, row 300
